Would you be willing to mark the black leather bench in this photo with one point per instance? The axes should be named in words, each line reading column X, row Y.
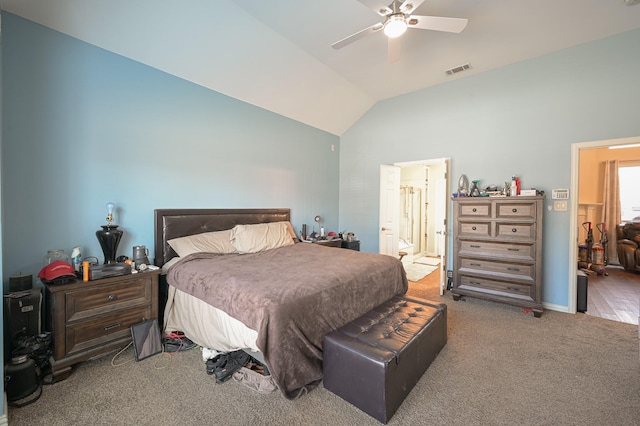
column 374, row 361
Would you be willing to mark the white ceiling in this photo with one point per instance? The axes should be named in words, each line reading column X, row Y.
column 277, row 54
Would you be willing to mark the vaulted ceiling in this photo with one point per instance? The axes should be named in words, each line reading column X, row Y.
column 277, row 54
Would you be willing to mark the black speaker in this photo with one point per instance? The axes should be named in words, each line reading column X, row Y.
column 20, row 283
column 22, row 316
column 583, row 288
column 21, row 378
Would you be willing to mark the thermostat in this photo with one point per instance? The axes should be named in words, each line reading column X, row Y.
column 560, row 194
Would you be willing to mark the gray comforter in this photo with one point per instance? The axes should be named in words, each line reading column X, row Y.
column 292, row 296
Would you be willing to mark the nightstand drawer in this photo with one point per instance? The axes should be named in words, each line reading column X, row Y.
column 89, row 302
column 81, row 336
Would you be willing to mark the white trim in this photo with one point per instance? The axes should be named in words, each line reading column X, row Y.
column 573, row 202
column 4, row 420
column 554, row 307
column 429, row 162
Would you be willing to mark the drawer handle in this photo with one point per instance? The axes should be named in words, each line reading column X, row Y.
column 474, row 210
column 514, row 229
column 112, row 297
column 112, row 326
column 474, row 246
column 473, row 228
column 475, row 264
column 513, row 269
column 513, row 289
column 514, row 210
column 513, row 249
column 475, row 282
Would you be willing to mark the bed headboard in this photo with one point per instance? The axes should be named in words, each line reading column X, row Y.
column 174, row 223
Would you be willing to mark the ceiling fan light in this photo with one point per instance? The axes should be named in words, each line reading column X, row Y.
column 395, row 26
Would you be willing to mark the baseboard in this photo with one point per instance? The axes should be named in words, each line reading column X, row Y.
column 558, row 308
column 4, row 420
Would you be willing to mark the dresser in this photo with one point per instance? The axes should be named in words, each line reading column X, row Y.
column 90, row 319
column 498, row 250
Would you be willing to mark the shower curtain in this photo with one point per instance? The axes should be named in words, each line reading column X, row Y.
column 410, row 216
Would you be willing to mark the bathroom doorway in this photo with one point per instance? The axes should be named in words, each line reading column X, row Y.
column 419, row 217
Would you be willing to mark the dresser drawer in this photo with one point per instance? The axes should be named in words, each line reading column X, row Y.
column 474, row 209
column 516, row 231
column 497, row 288
column 104, row 299
column 525, row 273
column 518, row 252
column 469, row 229
column 512, row 210
column 84, row 335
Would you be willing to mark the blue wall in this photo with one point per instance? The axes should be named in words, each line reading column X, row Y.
column 520, row 119
column 83, row 126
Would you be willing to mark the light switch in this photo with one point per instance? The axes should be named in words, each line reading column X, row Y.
column 560, row 206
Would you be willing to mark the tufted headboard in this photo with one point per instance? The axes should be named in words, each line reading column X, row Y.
column 174, row 223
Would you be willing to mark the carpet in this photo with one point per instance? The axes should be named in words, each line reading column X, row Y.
column 500, row 367
column 434, row 261
column 417, row 271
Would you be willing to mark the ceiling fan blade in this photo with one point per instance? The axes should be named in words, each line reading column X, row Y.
column 393, row 49
column 378, row 6
column 437, row 23
column 357, row 36
column 409, row 6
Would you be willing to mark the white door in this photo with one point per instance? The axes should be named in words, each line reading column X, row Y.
column 441, row 222
column 389, row 210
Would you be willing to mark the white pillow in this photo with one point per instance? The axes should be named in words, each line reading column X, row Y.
column 261, row 237
column 209, row 242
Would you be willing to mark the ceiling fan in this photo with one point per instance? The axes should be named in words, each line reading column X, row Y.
column 398, row 18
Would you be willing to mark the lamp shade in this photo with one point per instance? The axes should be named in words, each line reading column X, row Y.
column 109, row 236
column 395, row 26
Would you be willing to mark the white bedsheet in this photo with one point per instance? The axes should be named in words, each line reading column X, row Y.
column 205, row 325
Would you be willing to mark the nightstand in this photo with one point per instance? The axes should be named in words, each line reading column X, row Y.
column 352, row 245
column 89, row 319
column 328, row 243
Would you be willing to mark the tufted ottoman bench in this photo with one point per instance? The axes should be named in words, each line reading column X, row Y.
column 374, row 361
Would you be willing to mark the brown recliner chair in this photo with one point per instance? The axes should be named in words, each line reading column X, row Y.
column 628, row 241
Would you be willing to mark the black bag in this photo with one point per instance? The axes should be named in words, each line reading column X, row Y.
column 225, row 364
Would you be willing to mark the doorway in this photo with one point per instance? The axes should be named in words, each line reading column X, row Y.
column 616, row 294
column 418, row 212
column 413, row 212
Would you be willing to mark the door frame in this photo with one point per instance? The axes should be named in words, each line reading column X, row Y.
column 573, row 224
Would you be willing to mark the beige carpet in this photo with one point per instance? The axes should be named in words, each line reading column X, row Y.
column 500, row 367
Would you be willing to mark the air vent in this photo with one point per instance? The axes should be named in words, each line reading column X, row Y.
column 458, row 69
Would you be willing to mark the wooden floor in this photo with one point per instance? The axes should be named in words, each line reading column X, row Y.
column 615, row 296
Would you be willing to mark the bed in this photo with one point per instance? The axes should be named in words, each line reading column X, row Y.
column 278, row 302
